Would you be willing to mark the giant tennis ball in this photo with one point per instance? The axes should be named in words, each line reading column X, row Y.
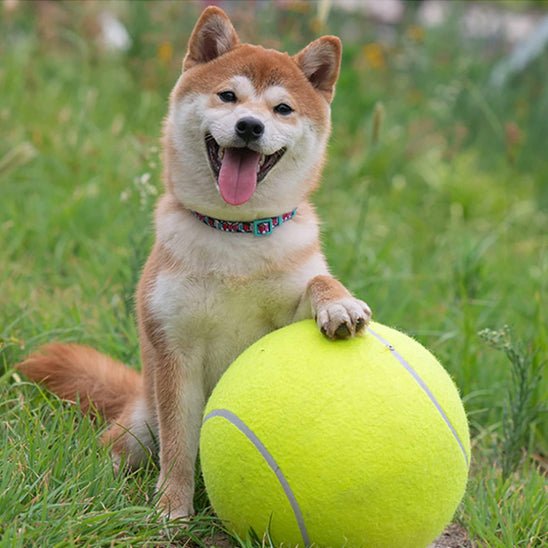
column 362, row 442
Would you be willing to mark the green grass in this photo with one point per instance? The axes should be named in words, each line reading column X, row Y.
column 435, row 213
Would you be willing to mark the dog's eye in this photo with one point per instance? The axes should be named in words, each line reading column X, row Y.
column 283, row 109
column 227, row 96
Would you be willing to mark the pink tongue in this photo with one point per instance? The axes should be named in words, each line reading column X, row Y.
column 238, row 175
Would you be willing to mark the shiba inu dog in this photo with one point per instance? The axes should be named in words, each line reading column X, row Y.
column 237, row 250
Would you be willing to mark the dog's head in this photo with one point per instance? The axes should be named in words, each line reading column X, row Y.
column 247, row 127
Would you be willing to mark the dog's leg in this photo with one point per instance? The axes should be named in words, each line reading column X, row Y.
column 132, row 435
column 338, row 314
column 180, row 400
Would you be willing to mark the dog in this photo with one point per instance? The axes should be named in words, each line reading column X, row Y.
column 236, row 254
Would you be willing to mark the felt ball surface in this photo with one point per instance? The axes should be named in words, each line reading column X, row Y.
column 358, row 443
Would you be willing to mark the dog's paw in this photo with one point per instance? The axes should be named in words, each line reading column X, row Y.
column 343, row 318
column 175, row 506
column 171, row 512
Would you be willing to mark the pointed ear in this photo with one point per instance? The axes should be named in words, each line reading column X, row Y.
column 212, row 36
column 320, row 61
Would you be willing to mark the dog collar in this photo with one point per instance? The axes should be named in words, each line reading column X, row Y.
column 258, row 227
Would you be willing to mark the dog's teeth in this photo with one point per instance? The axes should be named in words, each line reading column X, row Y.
column 221, row 153
column 261, row 160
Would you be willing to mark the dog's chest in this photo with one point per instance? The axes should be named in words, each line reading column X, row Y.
column 217, row 318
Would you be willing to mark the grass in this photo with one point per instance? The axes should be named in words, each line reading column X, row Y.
column 433, row 203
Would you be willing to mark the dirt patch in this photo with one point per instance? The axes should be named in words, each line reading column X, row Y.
column 454, row 536
column 218, row 540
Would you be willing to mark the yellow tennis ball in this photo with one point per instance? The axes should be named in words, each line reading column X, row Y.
column 362, row 442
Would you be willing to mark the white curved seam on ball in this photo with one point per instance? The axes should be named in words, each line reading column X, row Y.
column 424, row 387
column 252, row 437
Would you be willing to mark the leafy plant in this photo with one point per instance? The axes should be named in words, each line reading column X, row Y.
column 521, row 408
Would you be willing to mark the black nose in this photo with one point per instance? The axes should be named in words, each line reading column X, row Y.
column 249, row 128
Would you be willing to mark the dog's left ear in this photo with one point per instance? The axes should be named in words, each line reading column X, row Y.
column 320, row 61
column 212, row 36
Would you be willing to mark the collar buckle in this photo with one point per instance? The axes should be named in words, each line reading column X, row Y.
column 263, row 227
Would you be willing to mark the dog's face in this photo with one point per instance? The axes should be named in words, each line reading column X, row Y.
column 248, row 127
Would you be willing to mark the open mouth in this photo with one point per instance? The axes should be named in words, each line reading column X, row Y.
column 238, row 170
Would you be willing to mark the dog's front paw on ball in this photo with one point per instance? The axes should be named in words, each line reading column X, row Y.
column 344, row 318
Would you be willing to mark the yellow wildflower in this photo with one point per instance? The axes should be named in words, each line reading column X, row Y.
column 415, row 33
column 165, row 52
column 374, row 55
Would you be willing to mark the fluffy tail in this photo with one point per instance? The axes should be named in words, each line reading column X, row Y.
column 80, row 373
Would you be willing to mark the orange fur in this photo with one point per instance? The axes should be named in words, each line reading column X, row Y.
column 324, row 289
column 80, row 373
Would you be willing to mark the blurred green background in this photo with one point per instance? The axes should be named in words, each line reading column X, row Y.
column 434, row 204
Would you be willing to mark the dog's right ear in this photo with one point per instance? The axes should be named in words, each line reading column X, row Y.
column 320, row 62
column 212, row 36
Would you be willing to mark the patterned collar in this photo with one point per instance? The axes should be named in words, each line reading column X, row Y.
column 258, row 227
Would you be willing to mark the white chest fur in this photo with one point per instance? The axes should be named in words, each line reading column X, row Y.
column 229, row 289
